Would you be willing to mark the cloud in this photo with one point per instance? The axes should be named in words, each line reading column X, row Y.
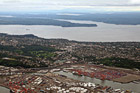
column 135, row 1
column 25, row 5
column 11, row 1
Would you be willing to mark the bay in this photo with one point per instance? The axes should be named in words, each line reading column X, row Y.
column 103, row 33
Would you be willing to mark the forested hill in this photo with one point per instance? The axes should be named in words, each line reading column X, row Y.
column 40, row 21
column 19, row 36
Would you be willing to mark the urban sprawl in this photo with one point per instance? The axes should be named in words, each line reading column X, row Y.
column 30, row 64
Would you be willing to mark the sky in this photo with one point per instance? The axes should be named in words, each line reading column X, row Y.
column 44, row 5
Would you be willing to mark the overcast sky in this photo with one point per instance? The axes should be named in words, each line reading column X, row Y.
column 36, row 5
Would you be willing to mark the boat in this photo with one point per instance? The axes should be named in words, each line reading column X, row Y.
column 11, row 91
column 65, row 71
column 136, row 82
column 75, row 73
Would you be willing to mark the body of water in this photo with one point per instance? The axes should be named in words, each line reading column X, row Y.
column 104, row 32
column 128, row 86
column 4, row 90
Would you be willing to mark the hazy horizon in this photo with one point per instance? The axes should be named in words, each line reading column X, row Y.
column 113, row 15
column 45, row 5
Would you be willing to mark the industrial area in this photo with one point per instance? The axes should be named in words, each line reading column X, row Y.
column 51, row 81
column 30, row 64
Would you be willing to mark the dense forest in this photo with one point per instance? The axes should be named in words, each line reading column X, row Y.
column 26, row 56
column 114, row 61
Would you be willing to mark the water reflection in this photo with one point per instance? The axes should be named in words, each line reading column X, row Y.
column 103, row 82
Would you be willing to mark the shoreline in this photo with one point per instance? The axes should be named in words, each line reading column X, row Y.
column 118, row 85
column 114, row 80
